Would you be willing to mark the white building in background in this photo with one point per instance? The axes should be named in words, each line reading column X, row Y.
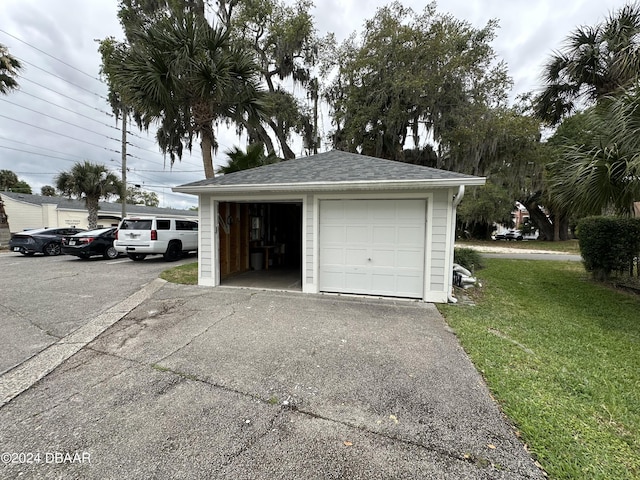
column 20, row 211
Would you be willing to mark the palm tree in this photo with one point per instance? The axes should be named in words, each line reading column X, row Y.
column 602, row 172
column 9, row 67
column 91, row 182
column 596, row 62
column 239, row 160
column 184, row 73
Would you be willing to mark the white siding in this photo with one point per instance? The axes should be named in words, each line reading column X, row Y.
column 206, row 232
column 308, row 239
column 439, row 250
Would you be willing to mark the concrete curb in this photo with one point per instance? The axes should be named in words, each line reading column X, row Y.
column 25, row 375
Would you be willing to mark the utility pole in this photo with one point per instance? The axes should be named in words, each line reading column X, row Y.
column 315, row 115
column 123, row 188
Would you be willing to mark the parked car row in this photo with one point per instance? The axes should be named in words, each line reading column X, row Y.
column 135, row 237
column 42, row 240
column 509, row 235
column 91, row 243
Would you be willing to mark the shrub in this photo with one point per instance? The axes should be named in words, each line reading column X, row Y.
column 609, row 244
column 468, row 258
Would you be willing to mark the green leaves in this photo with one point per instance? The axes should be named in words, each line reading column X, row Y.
column 599, row 164
column 411, row 76
column 596, row 61
column 239, row 160
column 184, row 74
column 91, row 182
column 9, row 68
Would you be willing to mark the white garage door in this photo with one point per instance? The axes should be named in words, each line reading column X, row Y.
column 372, row 247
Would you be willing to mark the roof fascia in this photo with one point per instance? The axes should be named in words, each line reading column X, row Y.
column 381, row 185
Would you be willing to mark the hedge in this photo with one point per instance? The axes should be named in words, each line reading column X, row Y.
column 609, row 244
column 468, row 258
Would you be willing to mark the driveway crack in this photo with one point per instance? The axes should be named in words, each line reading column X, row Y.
column 217, row 322
column 31, row 322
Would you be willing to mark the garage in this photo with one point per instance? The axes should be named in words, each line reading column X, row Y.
column 352, row 224
column 373, row 247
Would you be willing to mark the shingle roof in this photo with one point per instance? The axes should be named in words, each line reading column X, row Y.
column 333, row 167
column 66, row 203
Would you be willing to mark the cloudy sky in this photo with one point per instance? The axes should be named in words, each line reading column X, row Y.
column 60, row 115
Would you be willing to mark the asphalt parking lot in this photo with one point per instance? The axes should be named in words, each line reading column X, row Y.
column 230, row 383
column 43, row 299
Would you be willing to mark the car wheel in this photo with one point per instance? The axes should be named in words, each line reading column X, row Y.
column 174, row 252
column 110, row 253
column 52, row 249
column 136, row 257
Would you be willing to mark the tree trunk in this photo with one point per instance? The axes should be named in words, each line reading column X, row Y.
column 258, row 133
column 540, row 219
column 206, row 144
column 564, row 227
column 92, row 208
column 287, row 153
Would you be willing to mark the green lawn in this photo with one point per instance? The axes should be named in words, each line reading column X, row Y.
column 562, row 356
column 186, row 274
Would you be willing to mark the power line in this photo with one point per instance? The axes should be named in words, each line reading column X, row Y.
column 64, row 79
column 60, row 120
column 164, row 171
column 84, row 128
column 67, row 96
column 58, row 133
column 40, row 148
column 69, row 110
column 36, row 153
column 49, row 55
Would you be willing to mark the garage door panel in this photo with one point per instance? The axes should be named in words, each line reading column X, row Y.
column 385, row 210
column 409, row 259
column 357, row 280
column 354, row 214
column 407, row 284
column 333, row 234
column 383, row 257
column 355, row 257
column 357, row 234
column 410, row 212
column 410, row 235
column 334, row 277
column 384, row 234
column 383, row 247
column 333, row 256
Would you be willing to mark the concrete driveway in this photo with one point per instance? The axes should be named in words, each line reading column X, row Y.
column 241, row 384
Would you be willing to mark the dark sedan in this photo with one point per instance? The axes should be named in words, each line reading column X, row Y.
column 41, row 240
column 91, row 243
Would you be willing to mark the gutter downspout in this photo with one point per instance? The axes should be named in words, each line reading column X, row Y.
column 456, row 201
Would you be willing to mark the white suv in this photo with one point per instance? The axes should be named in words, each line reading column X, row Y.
column 170, row 237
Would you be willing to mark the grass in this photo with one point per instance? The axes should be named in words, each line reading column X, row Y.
column 561, row 355
column 569, row 246
column 186, row 274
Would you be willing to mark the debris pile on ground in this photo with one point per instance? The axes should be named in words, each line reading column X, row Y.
column 463, row 278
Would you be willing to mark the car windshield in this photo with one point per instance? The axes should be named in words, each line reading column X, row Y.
column 135, row 224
